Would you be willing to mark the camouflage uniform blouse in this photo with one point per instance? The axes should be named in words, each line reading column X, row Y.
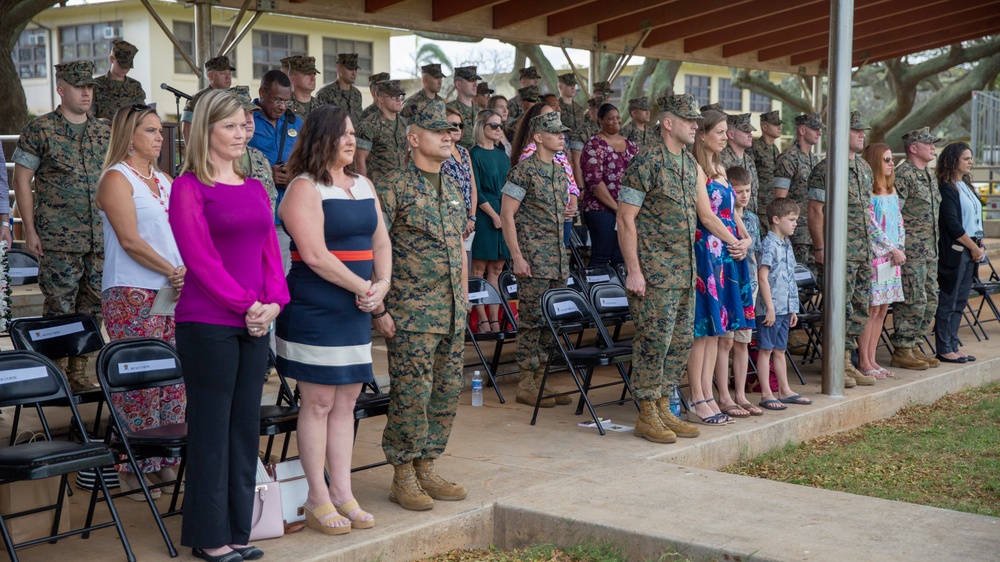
column 110, row 95
column 729, row 160
column 920, row 205
column 539, row 220
column 642, row 138
column 791, row 172
column 469, row 118
column 412, row 100
column 260, row 169
column 350, row 99
column 860, row 220
column 765, row 158
column 385, row 142
column 303, row 109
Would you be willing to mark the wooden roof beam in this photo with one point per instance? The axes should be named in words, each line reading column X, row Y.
column 373, row 6
column 442, row 10
column 972, row 30
column 745, row 29
column 518, row 11
column 743, row 13
column 675, row 12
column 591, row 14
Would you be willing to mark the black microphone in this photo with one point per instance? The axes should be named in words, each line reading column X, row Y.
column 174, row 91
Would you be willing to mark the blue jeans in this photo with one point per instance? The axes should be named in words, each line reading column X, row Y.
column 604, row 248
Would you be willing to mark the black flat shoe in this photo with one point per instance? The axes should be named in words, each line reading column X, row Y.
column 970, row 358
column 944, row 359
column 227, row 557
column 249, row 552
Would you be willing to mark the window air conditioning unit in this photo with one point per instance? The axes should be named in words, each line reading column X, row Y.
column 109, row 32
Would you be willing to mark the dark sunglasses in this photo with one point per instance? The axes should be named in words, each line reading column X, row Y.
column 494, row 126
column 137, row 107
column 459, row 125
column 887, row 160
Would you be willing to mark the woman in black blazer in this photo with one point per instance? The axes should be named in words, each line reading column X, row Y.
column 959, row 247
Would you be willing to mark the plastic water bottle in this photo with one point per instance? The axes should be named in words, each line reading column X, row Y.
column 477, row 389
column 675, row 403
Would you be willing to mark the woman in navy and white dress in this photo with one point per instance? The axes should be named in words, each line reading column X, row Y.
column 340, row 272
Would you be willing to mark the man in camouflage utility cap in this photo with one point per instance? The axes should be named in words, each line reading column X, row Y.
column 254, row 162
column 220, row 77
column 859, row 239
column 532, row 215
column 571, row 113
column 426, row 308
column 791, row 175
column 527, row 77
column 602, row 91
column 920, row 204
column 466, row 79
column 482, row 97
column 302, row 73
column 341, row 92
column 430, row 81
column 114, row 89
column 381, row 139
column 765, row 158
column 64, row 152
column 527, row 97
column 373, row 106
column 738, row 153
column 656, row 229
column 713, row 107
column 586, row 128
column 638, row 129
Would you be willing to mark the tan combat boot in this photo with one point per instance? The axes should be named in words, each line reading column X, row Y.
column 851, row 372
column 406, row 491
column 76, row 373
column 931, row 361
column 906, row 358
column 650, row 427
column 527, row 392
column 680, row 428
column 560, row 400
column 435, row 486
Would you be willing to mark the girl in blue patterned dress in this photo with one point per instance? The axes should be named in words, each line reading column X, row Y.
column 723, row 294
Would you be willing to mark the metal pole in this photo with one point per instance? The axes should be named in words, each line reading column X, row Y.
column 239, row 36
column 233, row 28
column 202, row 38
column 835, row 272
column 170, row 35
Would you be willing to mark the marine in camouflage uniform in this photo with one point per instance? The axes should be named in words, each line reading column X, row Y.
column 588, row 127
column 428, row 71
column 729, row 158
column 663, row 185
column 527, row 94
column 571, row 113
column 791, row 172
column 860, row 238
column 647, row 135
column 66, row 161
column 215, row 63
column 765, row 159
column 304, row 65
column 337, row 95
column 540, row 190
column 111, row 94
column 255, row 164
column 920, row 204
column 427, row 302
column 373, row 107
column 527, row 77
column 383, row 138
column 468, row 112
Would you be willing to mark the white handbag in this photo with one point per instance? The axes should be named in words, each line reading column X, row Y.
column 294, row 489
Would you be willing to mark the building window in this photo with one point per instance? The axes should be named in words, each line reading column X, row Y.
column 759, row 103
column 184, row 32
column 270, row 47
column 730, row 97
column 332, row 47
column 700, row 87
column 90, row 41
column 29, row 55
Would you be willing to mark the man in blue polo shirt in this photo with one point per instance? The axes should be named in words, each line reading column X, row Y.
column 276, row 129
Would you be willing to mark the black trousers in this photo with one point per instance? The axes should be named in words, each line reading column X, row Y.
column 604, row 248
column 224, row 375
column 955, row 284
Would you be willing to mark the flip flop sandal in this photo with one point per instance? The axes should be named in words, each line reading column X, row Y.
column 772, row 404
column 795, row 399
column 877, row 373
column 730, row 409
column 887, row 373
column 754, row 410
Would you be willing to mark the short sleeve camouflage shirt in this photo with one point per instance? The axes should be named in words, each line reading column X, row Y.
column 539, row 220
column 642, row 138
column 411, row 102
column 920, row 205
column 729, row 159
column 349, row 99
column 110, row 95
column 385, row 141
column 583, row 132
column 260, row 170
column 302, row 109
column 791, row 172
column 859, row 190
column 469, row 118
column 765, row 158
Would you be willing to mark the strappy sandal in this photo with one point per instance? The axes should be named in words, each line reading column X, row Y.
column 497, row 322
column 725, row 417
column 314, row 522
column 877, row 373
column 693, row 416
column 479, row 327
column 358, row 522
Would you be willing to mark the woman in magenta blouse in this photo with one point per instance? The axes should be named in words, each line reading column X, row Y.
column 234, row 288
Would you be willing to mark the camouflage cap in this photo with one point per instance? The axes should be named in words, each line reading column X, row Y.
column 811, row 120
column 467, row 73
column 595, row 102
column 638, row 103
column 771, row 118
column 604, row 88
column 243, row 94
column 300, row 63
column 857, row 123
column 123, row 52
column 432, row 69
column 712, row 107
column 681, row 105
column 548, row 123
column 219, row 63
column 530, row 73
column 349, row 60
column 529, row 93
column 77, row 73
column 740, row 122
column 920, row 136
column 431, row 115
column 377, row 78
column 568, row 79
column 389, row 88
column 483, row 89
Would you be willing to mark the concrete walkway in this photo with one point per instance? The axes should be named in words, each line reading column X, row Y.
column 557, row 482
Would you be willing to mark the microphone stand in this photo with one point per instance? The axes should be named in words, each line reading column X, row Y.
column 179, row 156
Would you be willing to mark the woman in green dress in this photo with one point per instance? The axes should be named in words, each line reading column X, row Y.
column 490, row 164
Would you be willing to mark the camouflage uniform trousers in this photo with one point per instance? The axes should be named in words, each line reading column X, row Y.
column 71, row 283
column 533, row 336
column 858, row 291
column 664, row 334
column 912, row 318
column 426, row 375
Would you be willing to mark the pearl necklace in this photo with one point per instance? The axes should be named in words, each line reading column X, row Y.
column 158, row 194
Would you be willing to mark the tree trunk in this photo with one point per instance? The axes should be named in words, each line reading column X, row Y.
column 637, row 81
column 662, row 82
column 14, row 16
column 542, row 64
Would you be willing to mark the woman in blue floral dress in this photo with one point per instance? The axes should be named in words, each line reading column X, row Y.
column 723, row 292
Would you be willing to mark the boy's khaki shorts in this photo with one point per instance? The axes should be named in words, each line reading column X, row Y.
column 741, row 336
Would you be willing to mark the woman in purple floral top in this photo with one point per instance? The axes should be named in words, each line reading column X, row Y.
column 605, row 157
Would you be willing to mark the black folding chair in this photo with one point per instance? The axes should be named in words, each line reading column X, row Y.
column 568, row 312
column 810, row 321
column 22, row 267
column 591, row 276
column 986, row 289
column 31, row 378
column 139, row 364
column 482, row 293
column 281, row 418
column 579, row 244
column 372, row 402
column 610, row 303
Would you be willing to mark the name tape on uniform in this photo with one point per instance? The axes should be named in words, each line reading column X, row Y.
column 21, row 375
column 149, row 365
column 614, row 301
column 56, row 331
column 566, row 307
column 478, row 295
column 24, row 272
column 598, row 278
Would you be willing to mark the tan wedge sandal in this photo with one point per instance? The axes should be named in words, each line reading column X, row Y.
column 357, row 522
column 313, row 519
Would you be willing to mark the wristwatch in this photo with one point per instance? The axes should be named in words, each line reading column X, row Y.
column 472, row 217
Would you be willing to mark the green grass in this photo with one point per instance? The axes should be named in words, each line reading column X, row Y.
column 945, row 454
column 588, row 551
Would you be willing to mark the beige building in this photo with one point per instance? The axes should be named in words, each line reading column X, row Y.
column 75, row 32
